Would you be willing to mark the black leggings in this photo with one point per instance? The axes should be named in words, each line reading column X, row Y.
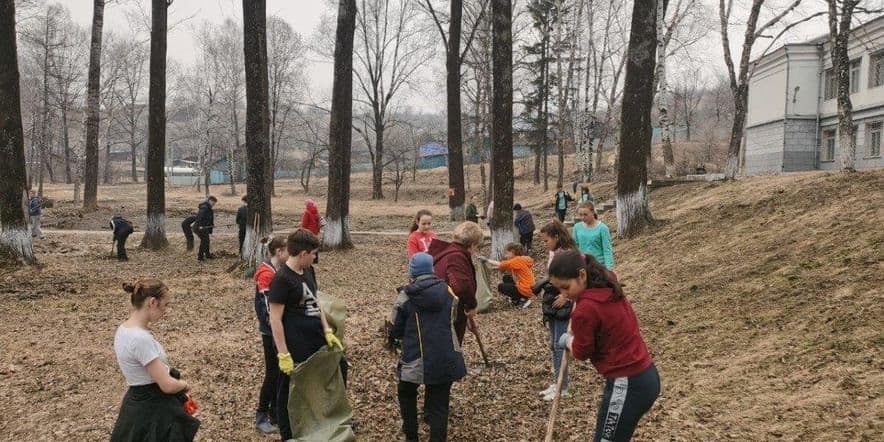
column 508, row 289
column 267, row 397
column 188, row 231
column 435, row 409
column 624, row 403
column 121, row 247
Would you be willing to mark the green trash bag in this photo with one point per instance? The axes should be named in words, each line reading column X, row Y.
column 318, row 406
column 335, row 313
column 483, row 286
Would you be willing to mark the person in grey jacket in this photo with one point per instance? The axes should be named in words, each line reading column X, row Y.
column 431, row 354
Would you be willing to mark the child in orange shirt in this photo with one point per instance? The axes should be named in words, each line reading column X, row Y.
column 518, row 282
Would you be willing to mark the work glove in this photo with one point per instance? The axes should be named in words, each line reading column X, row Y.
column 333, row 341
column 565, row 341
column 286, row 364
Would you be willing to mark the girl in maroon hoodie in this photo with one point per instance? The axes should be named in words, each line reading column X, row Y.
column 453, row 263
column 604, row 329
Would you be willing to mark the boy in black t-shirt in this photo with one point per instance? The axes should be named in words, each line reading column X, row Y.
column 298, row 325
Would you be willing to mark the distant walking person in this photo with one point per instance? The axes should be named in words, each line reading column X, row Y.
column 35, row 211
column 205, row 221
column 312, row 221
column 472, row 212
column 562, row 200
column 242, row 219
column 153, row 407
column 524, row 223
column 122, row 228
column 187, row 228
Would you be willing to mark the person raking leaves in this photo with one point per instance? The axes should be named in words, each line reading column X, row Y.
column 202, row 226
column 430, row 354
column 122, row 228
column 156, row 407
column 298, row 325
column 604, row 329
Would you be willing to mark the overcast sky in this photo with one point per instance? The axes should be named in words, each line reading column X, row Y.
column 305, row 15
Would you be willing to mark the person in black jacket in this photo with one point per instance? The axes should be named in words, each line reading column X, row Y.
column 242, row 219
column 430, row 354
column 122, row 229
column 525, row 224
column 205, row 221
column 187, row 228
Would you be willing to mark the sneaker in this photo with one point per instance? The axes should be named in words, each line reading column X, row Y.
column 262, row 423
column 550, row 389
column 552, row 395
column 527, row 304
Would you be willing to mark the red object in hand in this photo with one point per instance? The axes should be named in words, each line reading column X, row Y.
column 190, row 406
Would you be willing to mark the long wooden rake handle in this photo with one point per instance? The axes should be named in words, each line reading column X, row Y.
column 553, row 414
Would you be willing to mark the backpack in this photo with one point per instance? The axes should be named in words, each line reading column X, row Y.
column 34, row 206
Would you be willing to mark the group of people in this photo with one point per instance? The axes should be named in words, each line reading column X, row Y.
column 583, row 304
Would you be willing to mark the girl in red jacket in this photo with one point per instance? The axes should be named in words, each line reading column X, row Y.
column 312, row 221
column 604, row 329
column 421, row 233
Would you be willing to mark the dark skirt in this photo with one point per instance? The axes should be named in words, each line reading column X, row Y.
column 149, row 415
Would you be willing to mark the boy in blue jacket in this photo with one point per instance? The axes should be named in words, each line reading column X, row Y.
column 430, row 353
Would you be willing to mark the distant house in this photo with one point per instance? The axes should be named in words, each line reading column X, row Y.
column 186, row 172
column 792, row 118
column 432, row 155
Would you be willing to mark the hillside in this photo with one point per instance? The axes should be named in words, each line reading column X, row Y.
column 760, row 299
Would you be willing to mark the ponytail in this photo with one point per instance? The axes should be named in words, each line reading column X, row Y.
column 567, row 265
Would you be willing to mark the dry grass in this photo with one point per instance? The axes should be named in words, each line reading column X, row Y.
column 760, row 299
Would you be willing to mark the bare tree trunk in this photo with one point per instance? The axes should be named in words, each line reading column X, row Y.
column 337, row 229
column 839, row 33
column 90, row 188
column 134, row 153
column 377, row 170
column 452, row 90
column 502, row 126
column 257, row 128
column 65, row 139
column 663, row 93
column 15, row 240
column 155, row 231
column 231, row 150
column 633, row 213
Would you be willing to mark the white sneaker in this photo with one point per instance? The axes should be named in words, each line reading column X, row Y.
column 527, row 303
column 550, row 389
column 552, row 395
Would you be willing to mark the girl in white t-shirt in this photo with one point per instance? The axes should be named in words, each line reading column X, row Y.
column 155, row 399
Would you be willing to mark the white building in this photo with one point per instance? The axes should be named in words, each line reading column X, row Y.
column 792, row 119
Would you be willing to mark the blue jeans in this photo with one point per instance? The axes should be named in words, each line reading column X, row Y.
column 557, row 328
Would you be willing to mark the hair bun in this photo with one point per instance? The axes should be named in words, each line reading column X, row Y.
column 129, row 287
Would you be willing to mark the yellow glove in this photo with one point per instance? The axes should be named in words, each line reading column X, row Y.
column 332, row 340
column 286, row 364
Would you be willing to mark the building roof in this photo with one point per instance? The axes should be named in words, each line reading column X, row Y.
column 433, row 148
column 816, row 41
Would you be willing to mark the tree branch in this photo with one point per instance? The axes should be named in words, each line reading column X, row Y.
column 438, row 24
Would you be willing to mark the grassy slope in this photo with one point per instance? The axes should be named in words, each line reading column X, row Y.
column 761, row 301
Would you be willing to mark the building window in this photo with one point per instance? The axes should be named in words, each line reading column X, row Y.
column 828, row 153
column 876, row 69
column 873, row 142
column 854, row 76
column 831, row 84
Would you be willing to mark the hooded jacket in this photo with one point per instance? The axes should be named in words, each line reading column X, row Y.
column 453, row 264
column 310, row 220
column 205, row 218
column 425, row 322
column 524, row 222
